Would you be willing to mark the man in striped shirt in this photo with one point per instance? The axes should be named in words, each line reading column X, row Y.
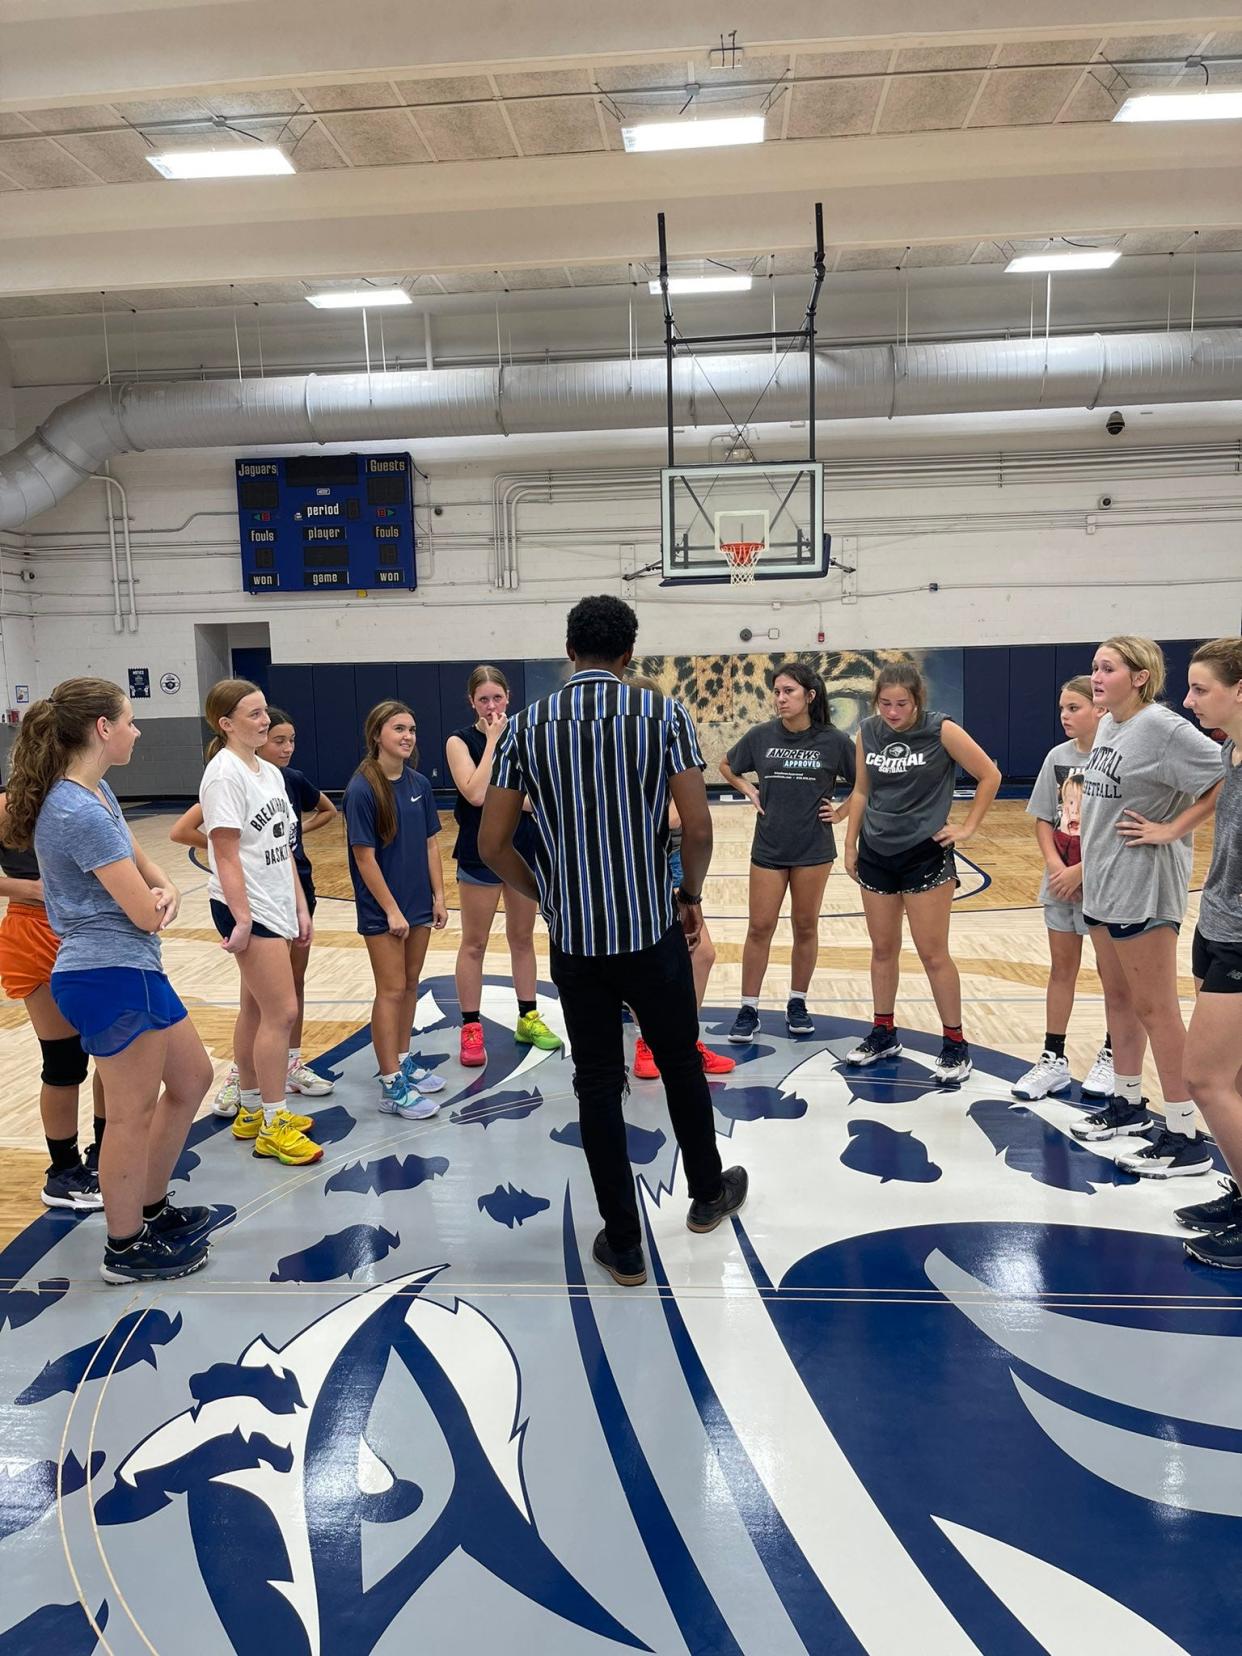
column 599, row 761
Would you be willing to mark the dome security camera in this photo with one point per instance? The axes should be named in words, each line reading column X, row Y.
column 1115, row 423
column 746, row 635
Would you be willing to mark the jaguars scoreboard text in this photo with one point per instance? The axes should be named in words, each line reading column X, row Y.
column 311, row 523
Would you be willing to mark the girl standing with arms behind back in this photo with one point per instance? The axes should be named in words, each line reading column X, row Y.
column 392, row 824
column 899, row 849
column 259, row 909
column 107, row 902
column 1056, row 805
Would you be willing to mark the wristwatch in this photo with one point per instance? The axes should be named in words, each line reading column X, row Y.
column 691, row 899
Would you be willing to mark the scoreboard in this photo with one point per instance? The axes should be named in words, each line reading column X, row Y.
column 310, row 523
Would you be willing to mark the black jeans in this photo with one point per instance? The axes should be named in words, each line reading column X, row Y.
column 658, row 985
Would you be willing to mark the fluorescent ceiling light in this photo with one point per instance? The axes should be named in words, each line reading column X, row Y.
column 358, row 298
column 1037, row 263
column 706, row 134
column 1181, row 106
column 703, row 284
column 222, row 163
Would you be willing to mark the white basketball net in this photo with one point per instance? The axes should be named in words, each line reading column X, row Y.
column 741, row 556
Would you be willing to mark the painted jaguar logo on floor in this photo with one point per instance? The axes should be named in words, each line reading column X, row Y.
column 947, row 1375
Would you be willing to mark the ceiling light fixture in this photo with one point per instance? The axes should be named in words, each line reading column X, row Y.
column 706, row 134
column 222, row 163
column 1031, row 264
column 1181, row 106
column 358, row 298
column 703, row 284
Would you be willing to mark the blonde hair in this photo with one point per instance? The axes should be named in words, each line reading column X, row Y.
column 53, row 730
column 1141, row 655
column 1080, row 685
column 369, row 769
column 1222, row 655
column 222, row 700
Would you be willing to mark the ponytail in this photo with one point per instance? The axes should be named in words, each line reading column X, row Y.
column 809, row 680
column 52, row 731
column 369, row 769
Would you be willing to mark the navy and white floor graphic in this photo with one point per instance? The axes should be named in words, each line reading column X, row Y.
column 947, row 1384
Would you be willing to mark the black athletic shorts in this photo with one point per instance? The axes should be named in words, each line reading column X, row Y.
column 308, row 890
column 905, row 873
column 1218, row 966
column 222, row 914
column 1123, row 933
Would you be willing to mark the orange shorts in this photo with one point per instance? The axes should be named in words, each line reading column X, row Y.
column 28, row 947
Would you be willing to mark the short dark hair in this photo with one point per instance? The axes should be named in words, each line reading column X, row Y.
column 601, row 629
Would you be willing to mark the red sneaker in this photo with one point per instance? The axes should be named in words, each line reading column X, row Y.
column 715, row 1063
column 644, row 1064
column 473, row 1053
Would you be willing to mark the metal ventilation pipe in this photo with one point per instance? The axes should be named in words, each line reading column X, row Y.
column 857, row 382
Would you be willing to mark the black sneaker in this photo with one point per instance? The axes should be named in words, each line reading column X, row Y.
column 953, row 1065
column 1221, row 1247
column 624, row 1265
column 1169, row 1156
column 1214, row 1215
column 155, row 1258
column 705, row 1216
column 73, row 1187
column 90, row 1161
column 798, row 1021
column 745, row 1026
column 881, row 1043
column 1118, row 1119
column 173, row 1222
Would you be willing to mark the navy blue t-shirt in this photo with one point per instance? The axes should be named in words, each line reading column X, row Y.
column 303, row 796
column 403, row 863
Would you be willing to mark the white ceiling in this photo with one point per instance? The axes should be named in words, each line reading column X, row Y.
column 473, row 154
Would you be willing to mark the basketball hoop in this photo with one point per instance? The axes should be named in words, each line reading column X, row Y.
column 741, row 557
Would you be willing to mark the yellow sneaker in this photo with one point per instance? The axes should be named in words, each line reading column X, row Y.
column 532, row 1031
column 287, row 1145
column 249, row 1123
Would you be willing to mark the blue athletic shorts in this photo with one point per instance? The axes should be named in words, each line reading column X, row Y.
column 479, row 876
column 113, row 1005
column 674, row 867
column 1122, row 933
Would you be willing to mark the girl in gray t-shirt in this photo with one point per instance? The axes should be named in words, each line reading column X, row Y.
column 799, row 760
column 899, row 849
column 1151, row 778
column 1214, row 1039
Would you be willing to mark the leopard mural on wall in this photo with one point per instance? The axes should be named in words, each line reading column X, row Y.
column 727, row 694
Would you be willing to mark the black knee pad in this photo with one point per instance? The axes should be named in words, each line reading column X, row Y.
column 64, row 1062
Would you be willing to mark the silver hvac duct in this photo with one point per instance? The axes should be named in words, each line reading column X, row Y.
column 857, row 382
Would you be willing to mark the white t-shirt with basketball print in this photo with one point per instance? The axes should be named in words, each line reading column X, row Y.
column 234, row 796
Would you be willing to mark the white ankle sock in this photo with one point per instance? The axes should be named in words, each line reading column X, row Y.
column 1180, row 1118
column 799, row 994
column 752, row 1001
column 269, row 1110
column 1129, row 1087
column 249, row 1097
column 295, row 1056
column 389, row 1079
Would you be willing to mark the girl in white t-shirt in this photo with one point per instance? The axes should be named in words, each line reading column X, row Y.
column 259, row 909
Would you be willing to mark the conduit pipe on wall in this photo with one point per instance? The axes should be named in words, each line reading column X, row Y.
column 859, row 382
column 112, row 483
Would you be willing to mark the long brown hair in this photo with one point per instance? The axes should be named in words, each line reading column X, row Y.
column 1223, row 656
column 482, row 675
column 222, row 700
column 53, row 730
column 381, row 787
column 901, row 675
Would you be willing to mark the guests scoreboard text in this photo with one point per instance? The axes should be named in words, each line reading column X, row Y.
column 313, row 523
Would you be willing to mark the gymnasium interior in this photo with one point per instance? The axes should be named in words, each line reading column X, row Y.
column 903, row 300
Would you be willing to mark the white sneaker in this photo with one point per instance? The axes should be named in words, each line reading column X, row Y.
column 1048, row 1076
column 420, row 1080
column 302, row 1079
column 1099, row 1082
column 229, row 1097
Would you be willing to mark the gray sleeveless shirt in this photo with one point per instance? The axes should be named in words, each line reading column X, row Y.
column 909, row 782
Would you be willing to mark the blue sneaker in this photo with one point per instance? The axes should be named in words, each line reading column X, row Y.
column 419, row 1080
column 745, row 1026
column 798, row 1021
column 396, row 1099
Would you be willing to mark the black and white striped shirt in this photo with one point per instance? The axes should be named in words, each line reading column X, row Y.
column 595, row 759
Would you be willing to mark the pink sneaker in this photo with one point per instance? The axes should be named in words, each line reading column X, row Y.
column 473, row 1053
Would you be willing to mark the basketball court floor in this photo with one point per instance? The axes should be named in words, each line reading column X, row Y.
column 948, row 1383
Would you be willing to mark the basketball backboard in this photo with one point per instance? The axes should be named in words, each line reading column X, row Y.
column 777, row 509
